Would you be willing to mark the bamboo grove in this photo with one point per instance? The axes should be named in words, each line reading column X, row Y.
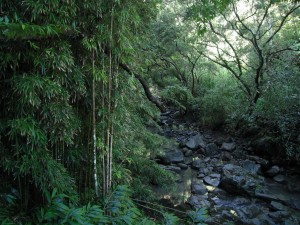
column 64, row 100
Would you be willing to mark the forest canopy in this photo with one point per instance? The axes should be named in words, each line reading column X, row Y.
column 83, row 83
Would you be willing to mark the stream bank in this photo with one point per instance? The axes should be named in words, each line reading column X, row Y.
column 221, row 173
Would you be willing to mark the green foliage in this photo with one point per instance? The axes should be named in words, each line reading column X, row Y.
column 178, row 96
column 198, row 216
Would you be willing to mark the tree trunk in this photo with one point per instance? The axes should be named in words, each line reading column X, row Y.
column 147, row 91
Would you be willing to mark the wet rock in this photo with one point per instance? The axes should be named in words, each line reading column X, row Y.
column 278, row 206
column 165, row 113
column 172, row 156
column 198, row 188
column 251, row 211
column 294, row 184
column 279, row 216
column 212, row 179
column 211, row 150
column 279, row 178
column 237, row 180
column 200, row 175
column 173, row 168
column 198, row 164
column 182, row 166
column 184, row 150
column 188, row 153
column 219, row 141
column 199, row 201
column 251, row 166
column 229, row 147
column 204, row 171
column 295, row 204
column 263, row 162
column 226, row 156
column 195, row 142
column 273, row 171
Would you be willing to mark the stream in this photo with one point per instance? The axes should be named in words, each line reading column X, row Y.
column 221, row 173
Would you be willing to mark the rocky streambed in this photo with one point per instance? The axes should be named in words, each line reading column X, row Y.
column 222, row 174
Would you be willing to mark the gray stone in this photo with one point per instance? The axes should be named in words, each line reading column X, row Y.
column 251, row 211
column 229, row 147
column 211, row 150
column 182, row 166
column 237, row 180
column 173, row 168
column 212, row 179
column 295, row 204
column 279, row 178
column 251, row 166
column 199, row 201
column 278, row 206
column 172, row 156
column 197, row 164
column 261, row 161
column 184, row 150
column 273, row 171
column 200, row 175
column 188, row 153
column 198, row 188
column 195, row 142
column 278, row 216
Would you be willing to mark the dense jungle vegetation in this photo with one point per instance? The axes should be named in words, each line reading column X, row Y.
column 83, row 82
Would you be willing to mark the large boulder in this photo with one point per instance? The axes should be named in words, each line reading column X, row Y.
column 172, row 156
column 195, row 142
column 238, row 180
column 251, row 166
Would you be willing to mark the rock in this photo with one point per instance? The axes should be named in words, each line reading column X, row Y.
column 204, row 170
column 273, row 171
column 188, row 153
column 219, row 141
column 173, row 168
column 229, row 147
column 198, row 188
column 195, row 142
column 211, row 150
column 212, row 179
column 165, row 113
column 188, row 160
column 198, row 164
column 264, row 145
column 278, row 216
column 295, row 204
column 279, row 178
column 172, row 156
column 278, row 206
column 200, row 175
column 263, row 162
column 251, row 166
column 199, row 201
column 176, row 115
column 226, row 156
column 251, row 211
column 182, row 166
column 184, row 150
column 237, row 180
